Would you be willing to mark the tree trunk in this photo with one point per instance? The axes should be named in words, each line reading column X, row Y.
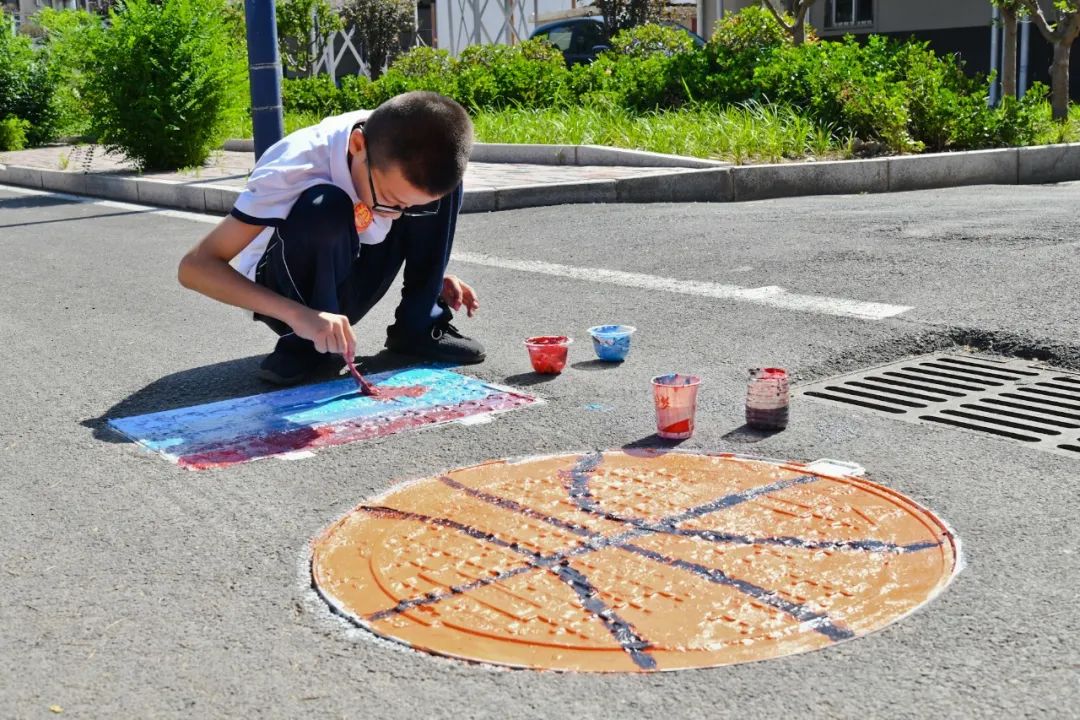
column 1059, row 80
column 1008, row 60
column 798, row 33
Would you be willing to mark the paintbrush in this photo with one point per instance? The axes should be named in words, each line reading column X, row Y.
column 366, row 388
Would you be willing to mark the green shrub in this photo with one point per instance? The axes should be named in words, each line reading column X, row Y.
column 166, row 80
column 357, row 92
column 649, row 66
column 842, row 84
column 68, row 37
column 13, row 133
column 27, row 86
column 532, row 73
column 753, row 30
column 740, row 43
column 315, row 95
column 651, row 39
column 421, row 68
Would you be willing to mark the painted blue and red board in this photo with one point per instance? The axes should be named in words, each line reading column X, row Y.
column 315, row 416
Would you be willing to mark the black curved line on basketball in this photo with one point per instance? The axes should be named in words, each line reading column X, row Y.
column 580, row 493
column 820, row 622
column 582, row 497
column 623, row 631
column 667, row 525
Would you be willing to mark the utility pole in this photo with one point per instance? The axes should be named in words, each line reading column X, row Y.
column 264, row 71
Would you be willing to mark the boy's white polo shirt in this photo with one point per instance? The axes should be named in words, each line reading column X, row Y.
column 312, row 156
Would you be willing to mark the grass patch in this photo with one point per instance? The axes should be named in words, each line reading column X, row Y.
column 749, row 133
column 752, row 132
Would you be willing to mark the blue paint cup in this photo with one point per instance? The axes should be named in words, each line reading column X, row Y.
column 611, row 342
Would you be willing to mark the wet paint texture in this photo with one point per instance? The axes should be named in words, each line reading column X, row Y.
column 314, row 416
column 675, row 396
column 547, row 353
column 767, row 399
column 611, row 342
column 632, row 561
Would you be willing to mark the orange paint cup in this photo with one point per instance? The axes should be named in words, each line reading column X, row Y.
column 675, row 395
column 547, row 353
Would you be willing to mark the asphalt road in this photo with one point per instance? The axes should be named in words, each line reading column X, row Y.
column 132, row 588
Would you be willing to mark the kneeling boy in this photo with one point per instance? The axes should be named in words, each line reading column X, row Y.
column 329, row 215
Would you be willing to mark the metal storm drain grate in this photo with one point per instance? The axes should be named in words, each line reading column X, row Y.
column 1016, row 399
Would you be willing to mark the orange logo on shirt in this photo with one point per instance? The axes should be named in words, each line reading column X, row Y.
column 362, row 216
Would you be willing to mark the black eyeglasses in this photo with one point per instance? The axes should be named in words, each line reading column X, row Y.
column 412, row 211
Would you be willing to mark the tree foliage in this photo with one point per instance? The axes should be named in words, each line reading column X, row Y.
column 378, row 24
column 304, row 26
column 623, row 14
column 165, row 80
column 1060, row 27
column 791, row 14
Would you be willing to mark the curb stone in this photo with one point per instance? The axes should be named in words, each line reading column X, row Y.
column 716, row 182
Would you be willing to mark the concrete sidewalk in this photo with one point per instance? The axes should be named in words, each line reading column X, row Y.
column 504, row 177
column 507, row 177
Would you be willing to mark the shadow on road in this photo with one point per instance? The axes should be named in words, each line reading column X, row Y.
column 595, row 365
column 652, row 442
column 220, row 381
column 528, row 378
column 747, row 434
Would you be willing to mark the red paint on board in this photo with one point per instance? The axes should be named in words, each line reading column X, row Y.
column 313, row 438
column 384, row 392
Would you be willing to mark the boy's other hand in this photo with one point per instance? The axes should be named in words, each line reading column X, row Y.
column 456, row 292
column 329, row 332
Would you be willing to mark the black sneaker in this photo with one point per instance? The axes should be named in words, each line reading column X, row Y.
column 443, row 342
column 293, row 360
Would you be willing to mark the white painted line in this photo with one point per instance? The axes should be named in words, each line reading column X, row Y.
column 148, row 209
column 772, row 295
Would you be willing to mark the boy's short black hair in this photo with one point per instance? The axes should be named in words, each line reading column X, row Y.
column 428, row 136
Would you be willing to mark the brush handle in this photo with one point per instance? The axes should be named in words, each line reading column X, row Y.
column 366, row 388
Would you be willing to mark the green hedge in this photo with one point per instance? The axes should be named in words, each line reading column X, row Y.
column 164, row 81
column 898, row 93
column 27, row 87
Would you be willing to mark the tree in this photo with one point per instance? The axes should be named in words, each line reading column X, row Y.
column 622, row 14
column 303, row 29
column 1010, row 14
column 378, row 24
column 1060, row 33
column 792, row 16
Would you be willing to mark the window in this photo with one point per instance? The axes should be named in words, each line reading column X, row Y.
column 588, row 35
column 558, row 36
column 849, row 13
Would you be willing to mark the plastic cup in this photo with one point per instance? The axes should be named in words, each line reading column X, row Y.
column 611, row 342
column 675, row 395
column 548, row 353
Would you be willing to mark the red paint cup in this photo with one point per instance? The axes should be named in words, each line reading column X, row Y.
column 675, row 395
column 548, row 353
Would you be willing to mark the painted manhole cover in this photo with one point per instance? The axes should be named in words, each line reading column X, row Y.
column 632, row 561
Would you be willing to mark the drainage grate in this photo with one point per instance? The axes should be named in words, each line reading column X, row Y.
column 1015, row 399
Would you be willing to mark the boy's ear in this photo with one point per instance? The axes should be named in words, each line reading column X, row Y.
column 356, row 141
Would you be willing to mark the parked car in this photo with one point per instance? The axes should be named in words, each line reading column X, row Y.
column 581, row 39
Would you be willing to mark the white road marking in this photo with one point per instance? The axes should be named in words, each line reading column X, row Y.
column 772, row 295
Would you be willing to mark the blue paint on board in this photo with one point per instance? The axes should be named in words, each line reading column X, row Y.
column 251, row 426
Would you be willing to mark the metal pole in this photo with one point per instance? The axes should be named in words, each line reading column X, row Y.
column 1025, row 38
column 264, row 70
column 995, row 20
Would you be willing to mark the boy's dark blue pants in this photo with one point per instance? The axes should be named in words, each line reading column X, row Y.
column 315, row 258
